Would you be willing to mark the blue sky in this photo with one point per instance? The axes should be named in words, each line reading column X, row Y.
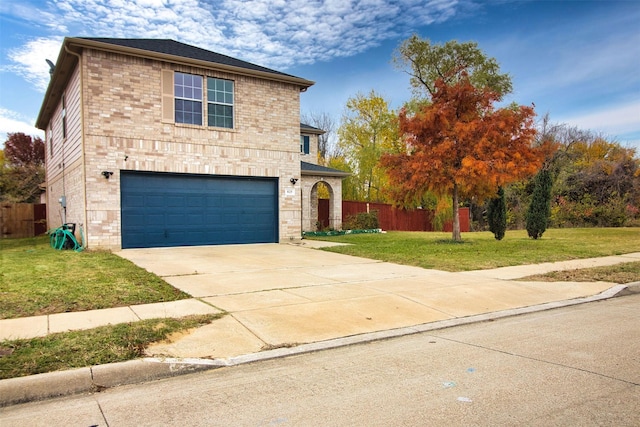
column 578, row 61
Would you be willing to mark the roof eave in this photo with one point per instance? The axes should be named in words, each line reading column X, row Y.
column 323, row 173
column 312, row 131
column 84, row 43
column 64, row 66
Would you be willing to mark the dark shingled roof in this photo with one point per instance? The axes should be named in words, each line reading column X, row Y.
column 309, row 127
column 312, row 169
column 172, row 47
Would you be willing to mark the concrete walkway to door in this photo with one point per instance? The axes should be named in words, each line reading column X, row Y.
column 283, row 295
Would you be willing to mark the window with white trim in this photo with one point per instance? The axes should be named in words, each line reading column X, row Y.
column 188, row 98
column 220, row 103
column 304, row 144
column 191, row 93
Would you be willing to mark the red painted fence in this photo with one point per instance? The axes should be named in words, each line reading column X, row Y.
column 391, row 218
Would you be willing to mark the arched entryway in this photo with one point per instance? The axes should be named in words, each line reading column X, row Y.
column 322, row 193
column 321, row 203
column 321, row 183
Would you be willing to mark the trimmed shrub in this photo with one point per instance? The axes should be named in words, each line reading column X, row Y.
column 540, row 207
column 497, row 215
column 362, row 221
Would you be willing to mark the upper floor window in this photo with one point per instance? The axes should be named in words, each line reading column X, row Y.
column 304, row 144
column 220, row 103
column 192, row 93
column 188, row 98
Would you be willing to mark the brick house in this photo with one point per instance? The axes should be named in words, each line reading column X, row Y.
column 158, row 143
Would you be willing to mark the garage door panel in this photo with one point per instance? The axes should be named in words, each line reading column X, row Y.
column 196, row 201
column 211, row 201
column 183, row 210
column 150, row 220
column 132, row 200
column 195, row 220
column 152, row 200
column 213, row 218
column 153, row 238
column 137, row 220
column 175, row 202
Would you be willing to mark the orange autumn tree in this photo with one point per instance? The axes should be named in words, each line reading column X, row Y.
column 461, row 145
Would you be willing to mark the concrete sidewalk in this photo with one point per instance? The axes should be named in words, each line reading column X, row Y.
column 281, row 295
column 295, row 298
column 301, row 297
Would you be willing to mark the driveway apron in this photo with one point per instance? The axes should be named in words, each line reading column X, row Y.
column 284, row 294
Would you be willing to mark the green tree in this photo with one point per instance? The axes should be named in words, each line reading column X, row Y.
column 367, row 130
column 596, row 181
column 426, row 62
column 497, row 215
column 540, row 209
column 350, row 189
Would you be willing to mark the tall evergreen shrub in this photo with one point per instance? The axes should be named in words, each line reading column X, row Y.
column 497, row 215
column 540, row 207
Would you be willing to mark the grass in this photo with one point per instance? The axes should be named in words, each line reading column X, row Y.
column 36, row 280
column 622, row 273
column 481, row 251
column 106, row 344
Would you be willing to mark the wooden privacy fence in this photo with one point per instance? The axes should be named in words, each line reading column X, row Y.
column 392, row 218
column 22, row 219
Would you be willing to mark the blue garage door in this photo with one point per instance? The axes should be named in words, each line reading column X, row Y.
column 161, row 209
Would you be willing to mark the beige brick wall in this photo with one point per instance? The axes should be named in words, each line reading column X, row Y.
column 72, row 188
column 124, row 131
column 63, row 161
column 312, row 157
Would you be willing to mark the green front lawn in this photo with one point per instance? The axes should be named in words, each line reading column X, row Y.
column 480, row 250
column 36, row 279
column 77, row 349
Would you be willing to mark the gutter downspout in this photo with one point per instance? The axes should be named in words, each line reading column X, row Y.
column 83, row 231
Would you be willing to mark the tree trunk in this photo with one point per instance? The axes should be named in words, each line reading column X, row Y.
column 457, row 237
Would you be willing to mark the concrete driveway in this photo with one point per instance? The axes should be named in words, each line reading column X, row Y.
column 280, row 295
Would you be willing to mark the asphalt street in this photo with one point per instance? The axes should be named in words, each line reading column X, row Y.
column 577, row 365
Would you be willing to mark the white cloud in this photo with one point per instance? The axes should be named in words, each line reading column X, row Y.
column 623, row 118
column 12, row 122
column 38, row 17
column 599, row 59
column 621, row 121
column 29, row 60
column 273, row 33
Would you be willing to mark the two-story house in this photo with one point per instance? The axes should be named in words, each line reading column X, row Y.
column 158, row 143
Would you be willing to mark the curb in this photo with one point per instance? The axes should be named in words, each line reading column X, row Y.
column 91, row 379
column 630, row 289
column 100, row 377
